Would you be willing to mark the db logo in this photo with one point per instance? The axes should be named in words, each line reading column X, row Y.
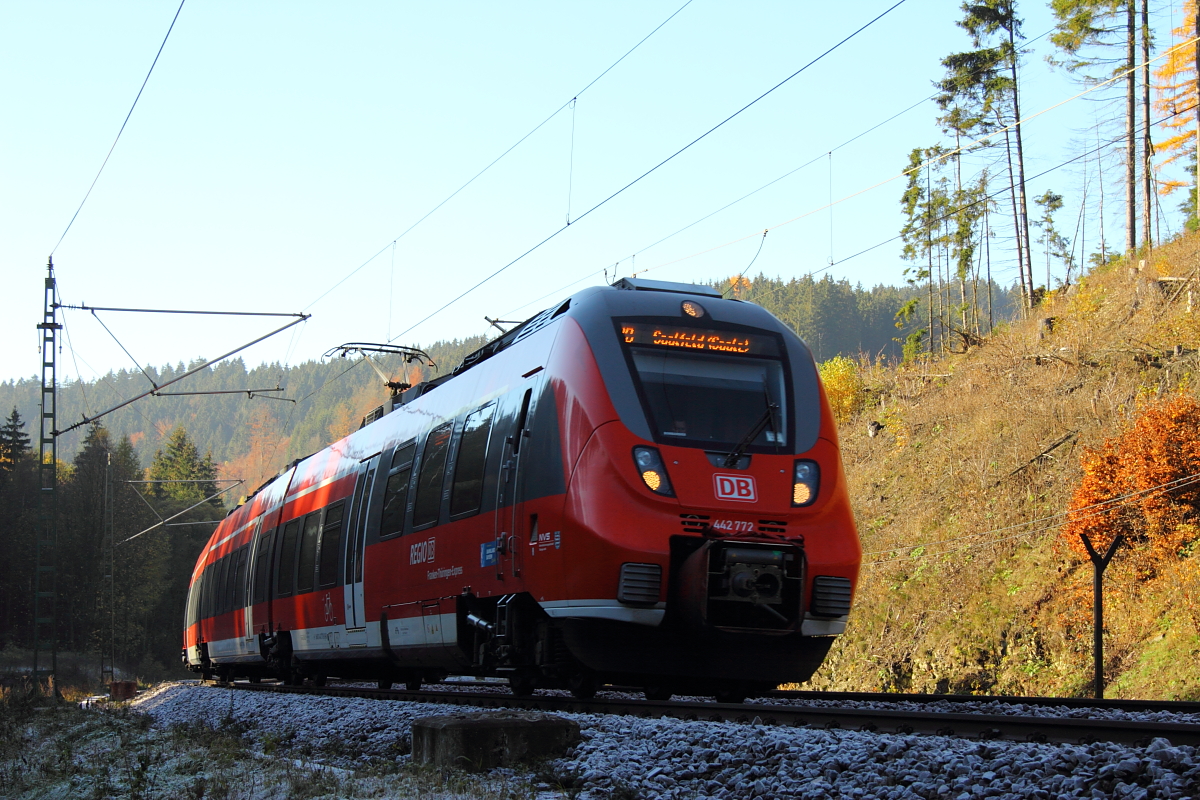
column 421, row 552
column 735, row 487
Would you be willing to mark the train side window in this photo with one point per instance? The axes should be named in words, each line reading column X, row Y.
column 306, row 572
column 239, row 587
column 522, row 421
column 262, row 568
column 204, row 577
column 227, row 582
column 285, row 565
column 395, row 496
column 210, row 578
column 466, row 494
column 220, row 596
column 193, row 605
column 230, row 576
column 331, row 545
column 428, row 503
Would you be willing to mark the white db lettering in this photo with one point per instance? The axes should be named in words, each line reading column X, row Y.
column 735, row 487
column 421, row 552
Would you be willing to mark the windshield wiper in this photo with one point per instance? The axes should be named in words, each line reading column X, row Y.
column 767, row 417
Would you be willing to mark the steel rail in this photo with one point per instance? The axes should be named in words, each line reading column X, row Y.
column 988, row 727
column 1175, row 706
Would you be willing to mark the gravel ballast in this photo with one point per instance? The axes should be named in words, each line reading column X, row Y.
column 668, row 758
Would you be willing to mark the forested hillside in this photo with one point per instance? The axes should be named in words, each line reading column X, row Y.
column 322, row 401
column 971, row 500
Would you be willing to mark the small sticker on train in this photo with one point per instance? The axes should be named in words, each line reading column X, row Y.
column 549, row 539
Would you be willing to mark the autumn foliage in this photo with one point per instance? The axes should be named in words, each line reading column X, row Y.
column 843, row 386
column 1176, row 85
column 1144, row 484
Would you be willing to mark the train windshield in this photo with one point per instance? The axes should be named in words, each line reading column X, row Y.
column 709, row 389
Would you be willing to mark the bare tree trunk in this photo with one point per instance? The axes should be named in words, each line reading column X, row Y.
column 1147, row 145
column 1026, row 289
column 929, row 246
column 1100, row 184
column 1024, row 222
column 987, row 241
column 1130, row 130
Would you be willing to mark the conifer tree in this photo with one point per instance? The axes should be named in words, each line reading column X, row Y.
column 1054, row 244
column 18, row 510
column 14, row 442
column 981, row 94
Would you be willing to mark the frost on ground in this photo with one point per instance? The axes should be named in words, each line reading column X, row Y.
column 190, row 741
column 627, row 757
column 61, row 751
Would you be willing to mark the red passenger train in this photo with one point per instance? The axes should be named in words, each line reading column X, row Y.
column 640, row 486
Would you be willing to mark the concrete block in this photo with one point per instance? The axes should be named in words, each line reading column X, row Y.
column 122, row 690
column 483, row 740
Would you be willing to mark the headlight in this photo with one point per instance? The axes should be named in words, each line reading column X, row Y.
column 806, row 480
column 654, row 474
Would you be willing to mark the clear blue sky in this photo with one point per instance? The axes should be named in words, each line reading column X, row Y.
column 278, row 146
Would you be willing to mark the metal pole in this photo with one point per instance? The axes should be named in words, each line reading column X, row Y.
column 45, row 578
column 1099, row 564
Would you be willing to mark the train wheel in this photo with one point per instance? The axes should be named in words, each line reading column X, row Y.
column 657, row 692
column 254, row 679
column 522, row 685
column 384, row 684
column 318, row 680
column 413, row 684
column 582, row 685
column 731, row 695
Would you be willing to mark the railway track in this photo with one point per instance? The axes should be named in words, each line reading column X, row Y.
column 1175, row 706
column 906, row 721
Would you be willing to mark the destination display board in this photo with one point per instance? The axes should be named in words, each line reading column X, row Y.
column 698, row 339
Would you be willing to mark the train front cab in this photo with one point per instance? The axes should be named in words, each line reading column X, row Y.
column 711, row 541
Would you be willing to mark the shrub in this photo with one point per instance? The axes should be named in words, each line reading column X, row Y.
column 843, row 386
column 1145, row 471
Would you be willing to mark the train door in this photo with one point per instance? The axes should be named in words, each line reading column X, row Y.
column 249, row 645
column 510, row 525
column 356, row 545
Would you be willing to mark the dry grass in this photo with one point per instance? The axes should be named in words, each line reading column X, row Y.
column 954, row 599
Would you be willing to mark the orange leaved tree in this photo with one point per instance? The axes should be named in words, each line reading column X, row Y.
column 1144, row 484
column 1176, row 83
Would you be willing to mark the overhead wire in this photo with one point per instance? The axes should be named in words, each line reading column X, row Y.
column 654, row 169
column 99, row 377
column 122, row 130
column 942, row 156
column 498, row 158
column 750, row 194
column 734, row 282
column 78, row 374
column 124, row 349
